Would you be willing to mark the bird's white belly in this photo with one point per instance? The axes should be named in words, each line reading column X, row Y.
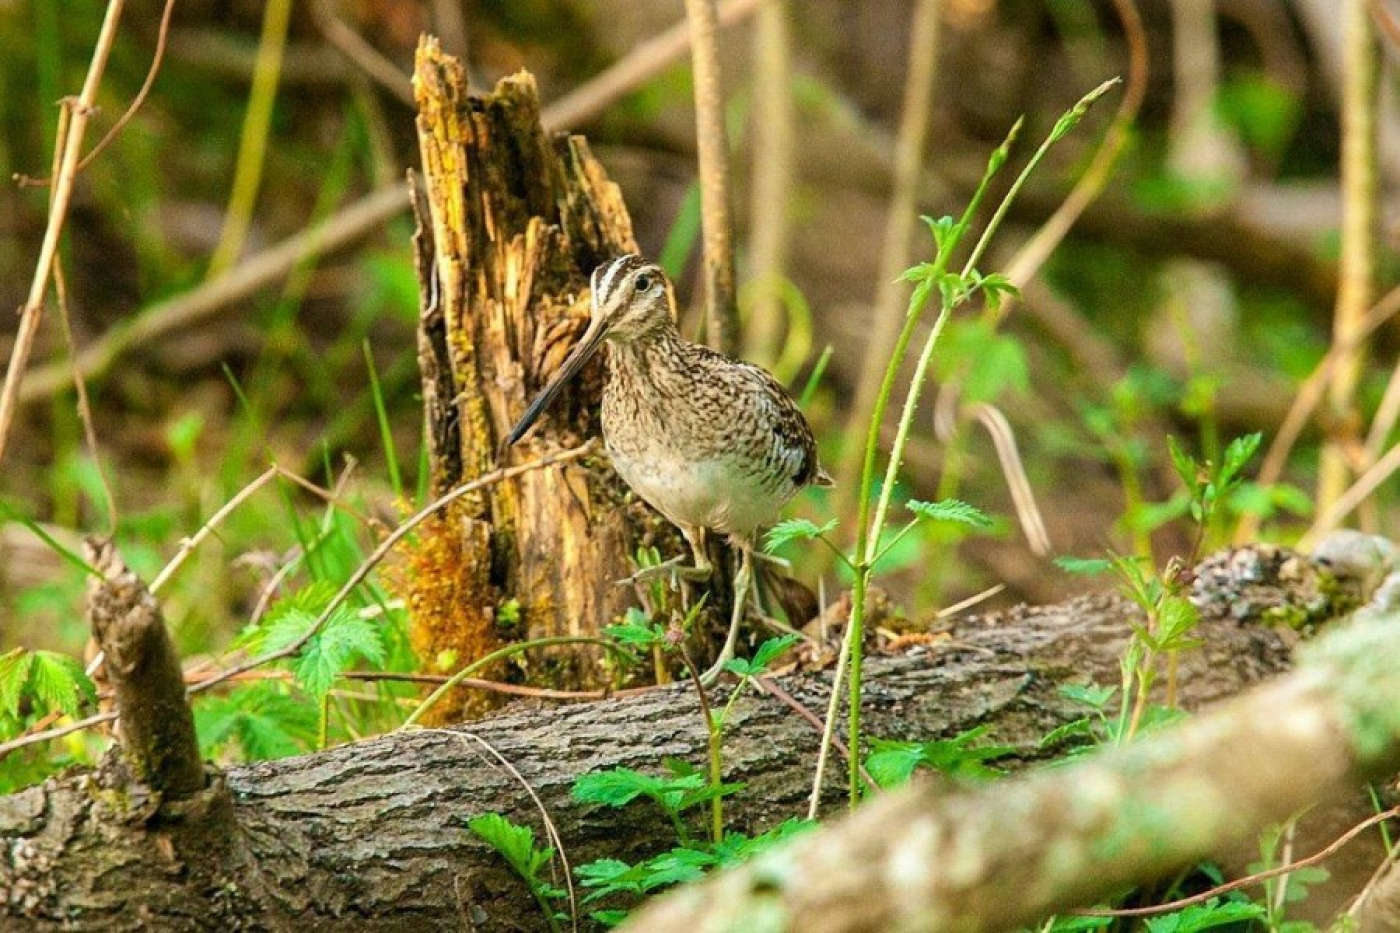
column 706, row 493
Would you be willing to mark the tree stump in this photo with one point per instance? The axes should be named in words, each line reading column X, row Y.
column 511, row 223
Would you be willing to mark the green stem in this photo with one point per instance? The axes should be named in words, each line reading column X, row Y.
column 536, row 888
column 867, row 536
column 506, row 652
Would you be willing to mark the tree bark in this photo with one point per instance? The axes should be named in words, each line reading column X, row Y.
column 374, row 833
column 511, row 222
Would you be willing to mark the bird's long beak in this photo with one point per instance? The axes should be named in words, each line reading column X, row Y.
column 587, row 346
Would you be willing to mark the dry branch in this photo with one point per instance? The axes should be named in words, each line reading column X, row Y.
column 155, row 723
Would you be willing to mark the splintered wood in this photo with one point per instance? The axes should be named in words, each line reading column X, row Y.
column 511, row 221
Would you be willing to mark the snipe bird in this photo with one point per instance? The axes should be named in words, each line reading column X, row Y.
column 709, row 442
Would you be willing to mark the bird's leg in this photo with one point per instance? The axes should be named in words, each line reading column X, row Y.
column 674, row 568
column 743, row 584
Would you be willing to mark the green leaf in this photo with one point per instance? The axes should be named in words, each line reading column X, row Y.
column 1238, row 453
column 57, row 681
column 795, row 529
column 1185, row 465
column 1213, row 913
column 515, row 843
column 892, row 763
column 1091, row 695
column 617, row 787
column 1176, row 617
column 345, row 636
column 1084, row 566
column 950, row 510
column 637, row 630
column 609, row 918
column 264, row 720
column 14, row 675
column 1075, row 728
column 766, row 654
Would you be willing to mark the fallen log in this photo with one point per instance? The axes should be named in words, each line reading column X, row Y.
column 375, row 832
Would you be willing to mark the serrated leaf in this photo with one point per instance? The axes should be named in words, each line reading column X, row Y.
column 771, row 650
column 1213, row 913
column 514, row 843
column 617, row 787
column 58, row 682
column 892, row 763
column 795, row 529
column 1084, row 566
column 637, row 631
column 950, row 510
column 1084, row 726
column 265, row 721
column 14, row 674
column 1184, row 464
column 767, row 652
column 1237, row 453
column 1090, row 695
column 1176, row 617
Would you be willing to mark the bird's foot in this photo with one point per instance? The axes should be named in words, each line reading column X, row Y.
column 673, row 569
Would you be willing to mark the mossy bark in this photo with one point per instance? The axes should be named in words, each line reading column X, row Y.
column 511, row 223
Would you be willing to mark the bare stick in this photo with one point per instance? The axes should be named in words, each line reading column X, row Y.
column 81, row 111
column 712, row 143
column 360, row 53
column 188, row 545
column 1031, row 256
column 771, row 151
column 1306, row 400
column 1357, row 267
column 550, row 829
column 60, row 287
column 247, row 277
column 647, row 60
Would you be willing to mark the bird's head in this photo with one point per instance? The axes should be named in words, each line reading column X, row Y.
column 631, row 300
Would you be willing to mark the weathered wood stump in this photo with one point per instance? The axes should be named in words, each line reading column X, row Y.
column 511, row 223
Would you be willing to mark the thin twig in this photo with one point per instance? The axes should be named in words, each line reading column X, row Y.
column 1306, row 399
column 1248, row 880
column 188, row 545
column 161, row 36
column 647, row 60
column 254, row 273
column 81, row 111
column 252, row 141
column 60, row 290
column 1351, row 497
column 1031, row 256
column 771, row 151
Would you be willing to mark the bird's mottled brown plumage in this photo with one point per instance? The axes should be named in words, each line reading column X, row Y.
column 710, row 442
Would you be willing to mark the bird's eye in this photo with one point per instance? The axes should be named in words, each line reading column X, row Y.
column 643, row 283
